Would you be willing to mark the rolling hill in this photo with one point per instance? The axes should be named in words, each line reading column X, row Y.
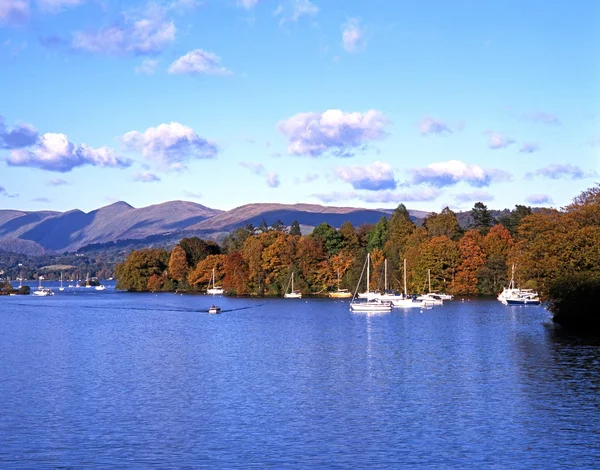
column 50, row 231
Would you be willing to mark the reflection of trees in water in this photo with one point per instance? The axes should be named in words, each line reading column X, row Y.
column 577, row 360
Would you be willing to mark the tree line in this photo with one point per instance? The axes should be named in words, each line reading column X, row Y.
column 556, row 252
column 260, row 260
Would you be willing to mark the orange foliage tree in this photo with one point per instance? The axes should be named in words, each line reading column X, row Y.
column 472, row 259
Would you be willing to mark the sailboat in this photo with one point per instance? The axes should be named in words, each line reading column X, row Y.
column 61, row 288
column 512, row 295
column 340, row 293
column 387, row 294
column 214, row 290
column 42, row 291
column 371, row 304
column 292, row 294
column 406, row 301
column 430, row 298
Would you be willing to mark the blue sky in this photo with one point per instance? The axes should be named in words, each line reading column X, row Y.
column 346, row 103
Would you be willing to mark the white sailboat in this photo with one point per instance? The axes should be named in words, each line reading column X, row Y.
column 512, row 295
column 386, row 294
column 42, row 291
column 340, row 293
column 371, row 304
column 214, row 290
column 430, row 298
column 61, row 288
column 406, row 301
column 292, row 294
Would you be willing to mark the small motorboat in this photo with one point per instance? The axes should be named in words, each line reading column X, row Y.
column 214, row 309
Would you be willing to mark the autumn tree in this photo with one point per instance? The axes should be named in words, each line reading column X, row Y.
column 472, row 260
column 445, row 223
column 178, row 266
column 497, row 244
column 441, row 256
column 201, row 274
column 400, row 227
column 349, row 235
column 236, row 280
column 133, row 274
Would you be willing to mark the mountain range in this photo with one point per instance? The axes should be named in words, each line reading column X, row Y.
column 40, row 232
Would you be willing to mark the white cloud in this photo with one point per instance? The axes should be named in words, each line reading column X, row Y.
column 148, row 67
column 198, row 62
column 147, row 34
column 308, row 178
column 4, row 193
column 54, row 152
column 293, row 10
column 247, row 4
column 57, row 182
column 343, row 134
column 430, row 125
column 567, row 171
column 449, row 173
column 374, row 177
column 543, row 118
column 499, row 141
column 193, row 195
column 395, row 197
column 474, row 196
column 56, row 5
column 13, row 12
column 170, row 145
column 272, row 180
column 529, row 147
column 256, row 168
column 23, row 135
column 352, row 35
column 539, row 199
column 146, row 177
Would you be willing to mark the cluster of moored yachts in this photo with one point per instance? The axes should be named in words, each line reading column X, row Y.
column 45, row 291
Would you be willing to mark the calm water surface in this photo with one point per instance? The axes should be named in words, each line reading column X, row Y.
column 111, row 379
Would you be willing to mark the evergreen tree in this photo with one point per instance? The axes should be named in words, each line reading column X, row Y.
column 378, row 236
column 482, row 218
column 295, row 229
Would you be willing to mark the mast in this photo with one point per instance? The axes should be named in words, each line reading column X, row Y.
column 292, row 281
column 385, row 275
column 429, row 279
column 368, row 265
column 405, row 277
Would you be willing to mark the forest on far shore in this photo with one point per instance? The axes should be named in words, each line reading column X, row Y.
column 556, row 252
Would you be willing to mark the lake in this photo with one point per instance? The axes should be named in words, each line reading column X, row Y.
column 112, row 379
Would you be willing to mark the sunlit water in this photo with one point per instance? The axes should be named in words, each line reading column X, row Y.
column 112, row 379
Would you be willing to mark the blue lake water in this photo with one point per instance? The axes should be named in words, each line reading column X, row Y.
column 111, row 379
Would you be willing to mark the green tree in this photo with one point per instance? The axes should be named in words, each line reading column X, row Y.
column 235, row 240
column 332, row 240
column 513, row 220
column 295, row 229
column 482, row 218
column 197, row 249
column 378, row 236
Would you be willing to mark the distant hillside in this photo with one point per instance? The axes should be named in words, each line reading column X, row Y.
column 71, row 230
column 120, row 224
